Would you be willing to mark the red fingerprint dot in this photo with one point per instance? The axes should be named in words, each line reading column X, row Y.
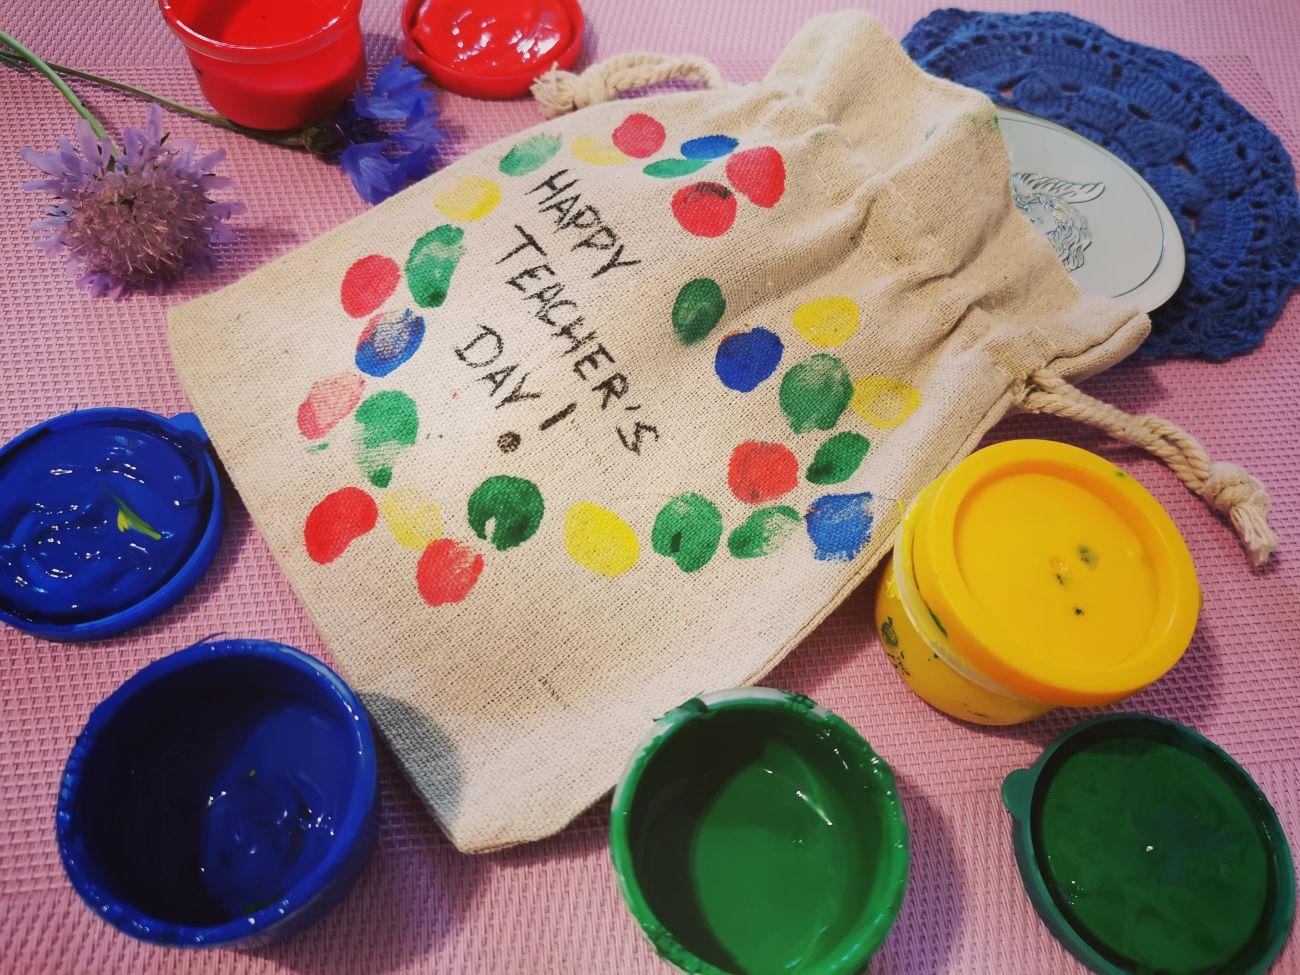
column 639, row 136
column 758, row 174
column 447, row 572
column 368, row 283
column 336, row 521
column 762, row 471
column 705, row 209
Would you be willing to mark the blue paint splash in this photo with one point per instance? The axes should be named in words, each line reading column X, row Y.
column 839, row 525
column 708, row 147
column 745, row 359
column 388, row 341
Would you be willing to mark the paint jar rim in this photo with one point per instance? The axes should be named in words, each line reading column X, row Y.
column 348, row 17
column 1022, row 792
column 354, row 834
column 759, row 699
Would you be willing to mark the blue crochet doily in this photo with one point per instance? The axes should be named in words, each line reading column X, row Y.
column 1225, row 176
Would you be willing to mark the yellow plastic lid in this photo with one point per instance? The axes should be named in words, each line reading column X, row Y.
column 1055, row 574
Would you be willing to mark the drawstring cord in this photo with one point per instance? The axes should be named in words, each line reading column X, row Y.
column 559, row 92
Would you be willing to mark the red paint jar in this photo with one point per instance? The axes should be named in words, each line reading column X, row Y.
column 271, row 64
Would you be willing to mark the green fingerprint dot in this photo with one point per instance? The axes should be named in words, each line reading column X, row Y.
column 512, row 504
column 687, row 530
column 529, row 154
column 763, row 532
column 697, row 310
column 815, row 392
column 668, row 168
column 387, row 423
column 838, row 458
column 431, row 263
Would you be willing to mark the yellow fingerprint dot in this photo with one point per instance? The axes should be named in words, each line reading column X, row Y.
column 413, row 519
column 826, row 322
column 884, row 402
column 597, row 153
column 599, row 540
column 469, row 198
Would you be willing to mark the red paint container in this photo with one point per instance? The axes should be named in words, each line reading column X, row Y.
column 491, row 48
column 271, row 64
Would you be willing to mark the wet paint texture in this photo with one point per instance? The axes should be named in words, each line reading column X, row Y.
column 763, row 532
column 705, row 209
column 758, row 175
column 328, row 401
column 838, row 458
column 708, row 147
column 388, row 341
column 839, row 525
column 759, row 842
column 368, row 283
column 469, row 198
column 746, row 359
column 815, row 393
column 432, row 262
column 387, row 422
column 599, row 540
column 697, row 310
column 1149, row 849
column 639, row 136
column 760, row 472
column 529, row 155
column 884, row 402
column 826, row 322
column 512, row 505
column 337, row 520
column 412, row 518
column 688, row 530
column 447, row 571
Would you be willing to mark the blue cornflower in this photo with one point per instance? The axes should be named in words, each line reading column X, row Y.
column 397, row 93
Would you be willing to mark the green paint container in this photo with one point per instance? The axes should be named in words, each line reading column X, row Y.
column 755, row 833
column 1145, row 848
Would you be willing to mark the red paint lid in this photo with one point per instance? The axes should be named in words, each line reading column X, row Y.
column 491, row 48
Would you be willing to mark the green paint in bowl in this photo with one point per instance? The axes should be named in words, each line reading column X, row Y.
column 755, row 833
column 1145, row 848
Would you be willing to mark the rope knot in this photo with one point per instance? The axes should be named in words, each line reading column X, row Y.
column 559, row 92
column 1229, row 487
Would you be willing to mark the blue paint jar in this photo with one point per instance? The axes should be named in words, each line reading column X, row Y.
column 107, row 518
column 224, row 795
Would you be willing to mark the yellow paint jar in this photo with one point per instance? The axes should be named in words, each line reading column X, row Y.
column 1035, row 574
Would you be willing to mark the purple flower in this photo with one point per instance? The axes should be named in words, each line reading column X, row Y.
column 135, row 218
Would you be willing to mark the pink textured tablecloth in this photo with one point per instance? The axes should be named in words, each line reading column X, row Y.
column 552, row 907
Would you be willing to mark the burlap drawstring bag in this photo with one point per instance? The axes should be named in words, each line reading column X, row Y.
column 616, row 411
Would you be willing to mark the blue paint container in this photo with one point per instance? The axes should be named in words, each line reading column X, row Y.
column 225, row 795
column 107, row 518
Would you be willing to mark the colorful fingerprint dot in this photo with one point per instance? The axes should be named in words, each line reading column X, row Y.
column 760, row 472
column 839, row 525
column 745, row 359
column 705, row 209
column 673, row 167
column 531, row 154
column 387, row 423
column 708, row 147
column 447, row 571
column 469, row 198
column 328, row 401
column 388, row 341
column 884, row 402
column 758, row 175
column 412, row 518
column 827, row 322
column 599, row 540
column 815, row 393
column 687, row 530
column 432, row 262
column 838, row 458
column 698, row 308
column 511, row 505
column 639, row 136
column 763, row 532
column 589, row 150
column 337, row 520
column 368, row 283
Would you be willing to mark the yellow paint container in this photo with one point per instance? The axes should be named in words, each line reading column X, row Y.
column 1035, row 574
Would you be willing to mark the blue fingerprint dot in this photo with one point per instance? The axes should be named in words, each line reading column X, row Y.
column 388, row 341
column 708, row 147
column 839, row 525
column 745, row 359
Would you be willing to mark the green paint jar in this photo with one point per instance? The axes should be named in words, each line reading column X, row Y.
column 756, row 833
column 1146, row 849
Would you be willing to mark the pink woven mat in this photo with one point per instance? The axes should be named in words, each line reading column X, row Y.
column 552, row 907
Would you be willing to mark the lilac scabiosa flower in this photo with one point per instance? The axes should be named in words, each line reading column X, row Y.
column 135, row 218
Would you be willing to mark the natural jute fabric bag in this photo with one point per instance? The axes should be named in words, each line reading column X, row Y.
column 615, row 412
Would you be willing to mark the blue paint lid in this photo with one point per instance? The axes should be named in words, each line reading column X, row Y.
column 107, row 518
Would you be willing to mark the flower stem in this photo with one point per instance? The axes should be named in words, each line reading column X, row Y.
column 58, row 82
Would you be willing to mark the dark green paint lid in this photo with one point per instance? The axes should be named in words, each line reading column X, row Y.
column 1146, row 849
